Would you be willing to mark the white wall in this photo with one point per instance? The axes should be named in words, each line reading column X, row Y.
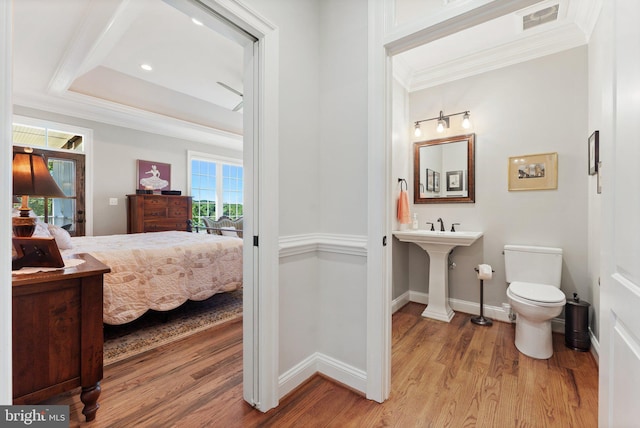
column 322, row 160
column 600, row 113
column 534, row 107
column 401, row 167
column 343, row 163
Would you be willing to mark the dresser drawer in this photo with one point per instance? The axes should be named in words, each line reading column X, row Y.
column 151, row 202
column 155, row 212
column 178, row 212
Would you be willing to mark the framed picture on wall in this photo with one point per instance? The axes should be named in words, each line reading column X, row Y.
column 454, row 181
column 594, row 152
column 436, row 181
column 153, row 175
column 533, row 172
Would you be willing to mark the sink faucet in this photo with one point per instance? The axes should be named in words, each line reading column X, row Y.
column 441, row 224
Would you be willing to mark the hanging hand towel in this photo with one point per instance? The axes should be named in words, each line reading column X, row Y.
column 485, row 271
column 403, row 208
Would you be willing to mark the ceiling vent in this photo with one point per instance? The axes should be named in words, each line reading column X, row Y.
column 542, row 16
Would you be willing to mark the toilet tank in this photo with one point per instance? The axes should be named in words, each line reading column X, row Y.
column 533, row 264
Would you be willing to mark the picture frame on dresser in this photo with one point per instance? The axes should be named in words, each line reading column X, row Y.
column 154, row 176
column 36, row 252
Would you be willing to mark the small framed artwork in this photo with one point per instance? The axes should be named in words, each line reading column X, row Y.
column 153, row 176
column 436, row 181
column 533, row 172
column 454, row 181
column 40, row 252
column 594, row 152
column 430, row 178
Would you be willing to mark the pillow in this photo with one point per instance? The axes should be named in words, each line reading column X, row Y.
column 229, row 231
column 41, row 230
column 62, row 237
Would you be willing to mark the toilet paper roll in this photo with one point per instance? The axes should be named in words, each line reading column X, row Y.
column 485, row 271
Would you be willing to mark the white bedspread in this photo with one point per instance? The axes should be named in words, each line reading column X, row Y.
column 161, row 270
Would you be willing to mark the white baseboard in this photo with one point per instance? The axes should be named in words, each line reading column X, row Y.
column 595, row 347
column 319, row 363
column 497, row 313
column 399, row 302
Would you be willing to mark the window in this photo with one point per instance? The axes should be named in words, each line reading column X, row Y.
column 64, row 148
column 217, row 187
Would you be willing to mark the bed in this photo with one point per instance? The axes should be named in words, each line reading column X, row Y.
column 161, row 270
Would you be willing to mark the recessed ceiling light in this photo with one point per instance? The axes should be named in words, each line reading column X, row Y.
column 196, row 21
column 146, row 67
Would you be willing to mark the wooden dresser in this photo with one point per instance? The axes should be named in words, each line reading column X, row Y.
column 57, row 333
column 157, row 213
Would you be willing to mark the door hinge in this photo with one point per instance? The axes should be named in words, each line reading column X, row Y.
column 384, row 241
column 255, row 241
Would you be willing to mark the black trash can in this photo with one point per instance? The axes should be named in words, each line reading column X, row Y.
column 576, row 324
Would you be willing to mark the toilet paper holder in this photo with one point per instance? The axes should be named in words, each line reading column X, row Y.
column 481, row 320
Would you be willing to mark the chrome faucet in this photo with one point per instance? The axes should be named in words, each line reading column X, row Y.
column 441, row 225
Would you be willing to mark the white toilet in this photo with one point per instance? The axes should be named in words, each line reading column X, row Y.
column 533, row 274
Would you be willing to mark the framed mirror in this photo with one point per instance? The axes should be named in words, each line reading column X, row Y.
column 444, row 170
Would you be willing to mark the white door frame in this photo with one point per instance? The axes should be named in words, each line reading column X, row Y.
column 6, row 119
column 260, row 159
column 385, row 40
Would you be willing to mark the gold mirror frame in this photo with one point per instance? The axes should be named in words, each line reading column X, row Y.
column 442, row 180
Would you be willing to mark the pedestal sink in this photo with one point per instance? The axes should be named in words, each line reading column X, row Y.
column 438, row 245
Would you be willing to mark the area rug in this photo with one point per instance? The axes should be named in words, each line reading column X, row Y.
column 154, row 329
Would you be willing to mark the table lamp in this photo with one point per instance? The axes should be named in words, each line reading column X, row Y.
column 31, row 177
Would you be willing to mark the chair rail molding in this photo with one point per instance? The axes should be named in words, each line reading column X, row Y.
column 354, row 245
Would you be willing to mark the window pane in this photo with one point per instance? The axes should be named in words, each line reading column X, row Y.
column 33, row 136
column 64, row 140
column 64, row 173
column 29, row 136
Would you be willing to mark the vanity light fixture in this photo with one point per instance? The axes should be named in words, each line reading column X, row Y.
column 466, row 123
column 443, row 122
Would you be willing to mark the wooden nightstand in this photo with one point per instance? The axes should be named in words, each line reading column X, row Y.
column 57, row 333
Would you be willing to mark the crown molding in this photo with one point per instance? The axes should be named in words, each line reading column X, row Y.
column 553, row 41
column 89, row 108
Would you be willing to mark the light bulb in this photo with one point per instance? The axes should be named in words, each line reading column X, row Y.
column 418, row 131
column 440, row 126
column 466, row 123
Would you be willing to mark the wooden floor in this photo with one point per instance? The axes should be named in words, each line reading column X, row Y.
column 444, row 375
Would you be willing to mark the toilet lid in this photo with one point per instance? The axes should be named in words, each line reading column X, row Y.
column 537, row 292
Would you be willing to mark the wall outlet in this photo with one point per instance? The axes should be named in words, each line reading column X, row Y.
column 113, row 201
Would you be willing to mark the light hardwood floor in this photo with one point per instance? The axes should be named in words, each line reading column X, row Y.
column 444, row 375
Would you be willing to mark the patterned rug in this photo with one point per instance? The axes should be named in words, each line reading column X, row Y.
column 154, row 329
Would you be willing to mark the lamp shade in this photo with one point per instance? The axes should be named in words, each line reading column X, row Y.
column 31, row 177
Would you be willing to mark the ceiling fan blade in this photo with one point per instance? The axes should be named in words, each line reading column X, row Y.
column 230, row 88
column 238, row 107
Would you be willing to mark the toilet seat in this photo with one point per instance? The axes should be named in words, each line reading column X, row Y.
column 537, row 294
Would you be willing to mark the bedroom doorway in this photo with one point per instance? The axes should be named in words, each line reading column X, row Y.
column 260, row 320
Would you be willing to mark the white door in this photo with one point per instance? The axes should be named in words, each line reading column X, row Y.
column 620, row 281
